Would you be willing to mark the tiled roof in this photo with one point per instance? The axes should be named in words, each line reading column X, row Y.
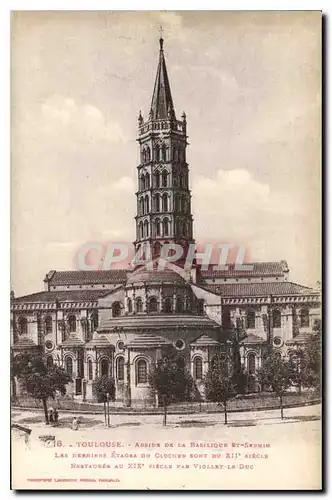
column 100, row 341
column 157, row 321
column 155, row 276
column 259, row 289
column 147, row 340
column 72, row 341
column 259, row 269
column 24, row 343
column 115, row 276
column 302, row 338
column 205, row 340
column 63, row 296
column 253, row 339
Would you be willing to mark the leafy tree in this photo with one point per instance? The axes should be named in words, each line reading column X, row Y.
column 171, row 381
column 314, row 356
column 101, row 387
column 219, row 384
column 276, row 373
column 41, row 381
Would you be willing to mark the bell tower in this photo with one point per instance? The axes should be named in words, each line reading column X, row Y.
column 163, row 195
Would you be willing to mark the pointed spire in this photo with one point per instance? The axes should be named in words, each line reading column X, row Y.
column 162, row 103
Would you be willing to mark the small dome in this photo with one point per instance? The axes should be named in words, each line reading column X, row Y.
column 155, row 276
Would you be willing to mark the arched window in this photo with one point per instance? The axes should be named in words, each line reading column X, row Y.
column 49, row 361
column 179, row 305
column 164, row 178
column 174, row 153
column 72, row 323
column 90, row 369
column 198, row 368
column 143, row 156
column 141, row 372
column 181, row 180
column 48, row 324
column 94, row 321
column 142, row 183
column 157, row 179
column 177, row 202
column 116, row 309
column 181, row 362
column 23, row 326
column 147, row 207
column 129, row 306
column 146, row 229
column 183, row 203
column 141, row 206
column 104, row 367
column 140, row 230
column 69, row 365
column 276, row 318
column 165, row 202
column 153, row 305
column 157, row 152
column 304, row 317
column 168, row 306
column 120, row 368
column 147, row 181
column 251, row 319
column 277, row 354
column 165, row 227
column 157, row 202
column 175, row 179
column 148, row 155
column 139, row 305
column 163, row 152
column 251, row 363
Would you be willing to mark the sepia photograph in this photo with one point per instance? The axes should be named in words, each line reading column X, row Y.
column 166, row 302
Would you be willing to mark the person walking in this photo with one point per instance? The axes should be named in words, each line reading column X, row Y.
column 51, row 415
column 74, row 424
column 56, row 416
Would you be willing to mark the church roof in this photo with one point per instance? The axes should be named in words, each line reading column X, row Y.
column 100, row 341
column 62, row 296
column 24, row 342
column 205, row 340
column 60, row 278
column 72, row 341
column 259, row 289
column 155, row 276
column 258, row 269
column 302, row 338
column 148, row 340
column 161, row 99
column 253, row 339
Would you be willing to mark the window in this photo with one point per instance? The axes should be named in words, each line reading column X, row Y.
column 147, row 181
column 157, row 151
column 165, row 202
column 48, row 324
column 214, row 362
column 179, row 305
column 166, row 227
column 139, row 305
column 146, row 229
column 141, row 206
column 198, row 368
column 116, row 309
column 90, row 369
column 142, row 372
column 153, row 305
column 120, row 368
column 94, row 321
column 251, row 363
column 163, row 152
column 69, row 365
column 147, row 156
column 179, row 344
column 140, row 230
column 104, row 368
column 129, row 306
column 251, row 319
column 23, row 326
column 164, row 178
column 177, row 202
column 276, row 318
column 277, row 354
column 157, row 179
column 200, row 306
column 72, row 323
column 147, row 208
column 49, row 361
column 304, row 317
column 181, row 362
column 157, row 224
column 168, row 305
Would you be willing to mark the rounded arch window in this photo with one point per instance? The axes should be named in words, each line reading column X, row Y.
column 48, row 324
column 168, row 306
column 179, row 305
column 276, row 318
column 116, row 309
column 141, row 371
column 90, row 369
column 166, row 227
column 153, row 305
column 129, row 306
column 72, row 323
column 94, row 321
column 165, row 202
column 120, row 368
column 157, row 179
column 69, row 365
column 251, row 317
column 139, row 305
column 49, row 361
column 23, row 326
column 104, row 367
column 164, row 178
column 277, row 354
column 251, row 363
column 181, row 362
column 304, row 317
column 198, row 368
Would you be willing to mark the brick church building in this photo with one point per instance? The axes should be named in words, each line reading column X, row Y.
column 119, row 322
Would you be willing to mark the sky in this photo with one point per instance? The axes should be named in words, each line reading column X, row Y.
column 250, row 84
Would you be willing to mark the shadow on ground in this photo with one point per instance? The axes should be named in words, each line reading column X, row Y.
column 302, row 418
column 242, row 423
column 127, row 424
column 195, row 423
column 84, row 422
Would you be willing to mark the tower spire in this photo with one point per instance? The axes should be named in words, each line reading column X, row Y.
column 162, row 102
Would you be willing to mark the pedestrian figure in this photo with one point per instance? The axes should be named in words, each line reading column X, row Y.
column 56, row 416
column 51, row 415
column 74, row 424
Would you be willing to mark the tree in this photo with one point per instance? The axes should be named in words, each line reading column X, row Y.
column 219, row 383
column 314, row 357
column 103, row 389
column 41, row 381
column 170, row 380
column 276, row 373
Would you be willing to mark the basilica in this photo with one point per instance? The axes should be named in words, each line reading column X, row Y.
column 119, row 322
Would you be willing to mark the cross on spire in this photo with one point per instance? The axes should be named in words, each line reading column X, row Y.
column 161, row 31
